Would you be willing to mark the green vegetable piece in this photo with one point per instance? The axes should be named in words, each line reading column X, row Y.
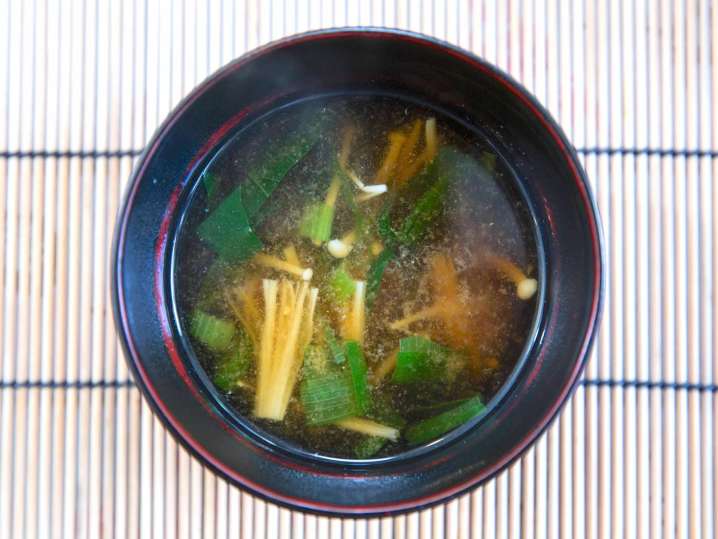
column 315, row 360
column 341, row 284
column 450, row 167
column 419, row 359
column 316, row 224
column 383, row 411
column 376, row 273
column 215, row 333
column 278, row 161
column 436, row 407
column 234, row 365
column 211, row 185
column 358, row 369
column 383, row 225
column 335, row 349
column 228, row 230
column 427, row 208
column 348, row 189
column 369, row 447
column 430, row 429
column 327, row 398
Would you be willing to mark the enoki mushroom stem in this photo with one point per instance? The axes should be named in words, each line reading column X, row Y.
column 526, row 287
column 273, row 262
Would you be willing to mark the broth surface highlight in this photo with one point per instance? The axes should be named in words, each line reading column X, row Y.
column 356, row 276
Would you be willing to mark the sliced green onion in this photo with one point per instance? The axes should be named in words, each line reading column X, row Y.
column 437, row 407
column 427, row 208
column 316, row 223
column 376, row 273
column 211, row 185
column 215, row 333
column 430, row 429
column 369, row 446
column 347, row 186
column 341, row 284
column 228, row 230
column 264, row 178
column 419, row 359
column 315, row 360
column 358, row 370
column 327, row 398
column 450, row 167
column 335, row 349
column 383, row 226
column 383, row 411
column 235, row 365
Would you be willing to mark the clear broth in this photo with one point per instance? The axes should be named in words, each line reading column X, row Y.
column 481, row 219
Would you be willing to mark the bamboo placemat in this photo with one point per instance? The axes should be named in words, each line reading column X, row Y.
column 84, row 84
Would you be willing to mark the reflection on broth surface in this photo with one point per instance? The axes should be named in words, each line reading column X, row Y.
column 357, row 276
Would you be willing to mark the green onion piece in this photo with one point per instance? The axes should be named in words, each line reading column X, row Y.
column 426, row 210
column 449, row 167
column 315, row 360
column 211, row 185
column 348, row 190
column 228, row 230
column 384, row 412
column 376, row 273
column 215, row 333
column 264, row 178
column 369, row 446
column 358, row 369
column 327, row 398
column 419, row 359
column 437, row 407
column 235, row 365
column 383, row 226
column 316, row 224
column 430, row 429
column 335, row 349
column 341, row 284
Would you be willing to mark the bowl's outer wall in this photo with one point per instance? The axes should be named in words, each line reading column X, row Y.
column 319, row 63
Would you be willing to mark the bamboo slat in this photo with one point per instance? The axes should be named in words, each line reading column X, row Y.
column 85, row 84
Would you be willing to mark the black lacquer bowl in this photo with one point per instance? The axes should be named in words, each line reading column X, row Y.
column 452, row 82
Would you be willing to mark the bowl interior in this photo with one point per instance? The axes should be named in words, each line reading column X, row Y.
column 515, row 192
column 459, row 85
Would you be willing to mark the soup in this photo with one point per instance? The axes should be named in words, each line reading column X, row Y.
column 356, row 276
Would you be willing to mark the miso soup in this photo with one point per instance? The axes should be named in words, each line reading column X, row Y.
column 357, row 276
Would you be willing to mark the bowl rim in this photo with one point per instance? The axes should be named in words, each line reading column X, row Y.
column 546, row 122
